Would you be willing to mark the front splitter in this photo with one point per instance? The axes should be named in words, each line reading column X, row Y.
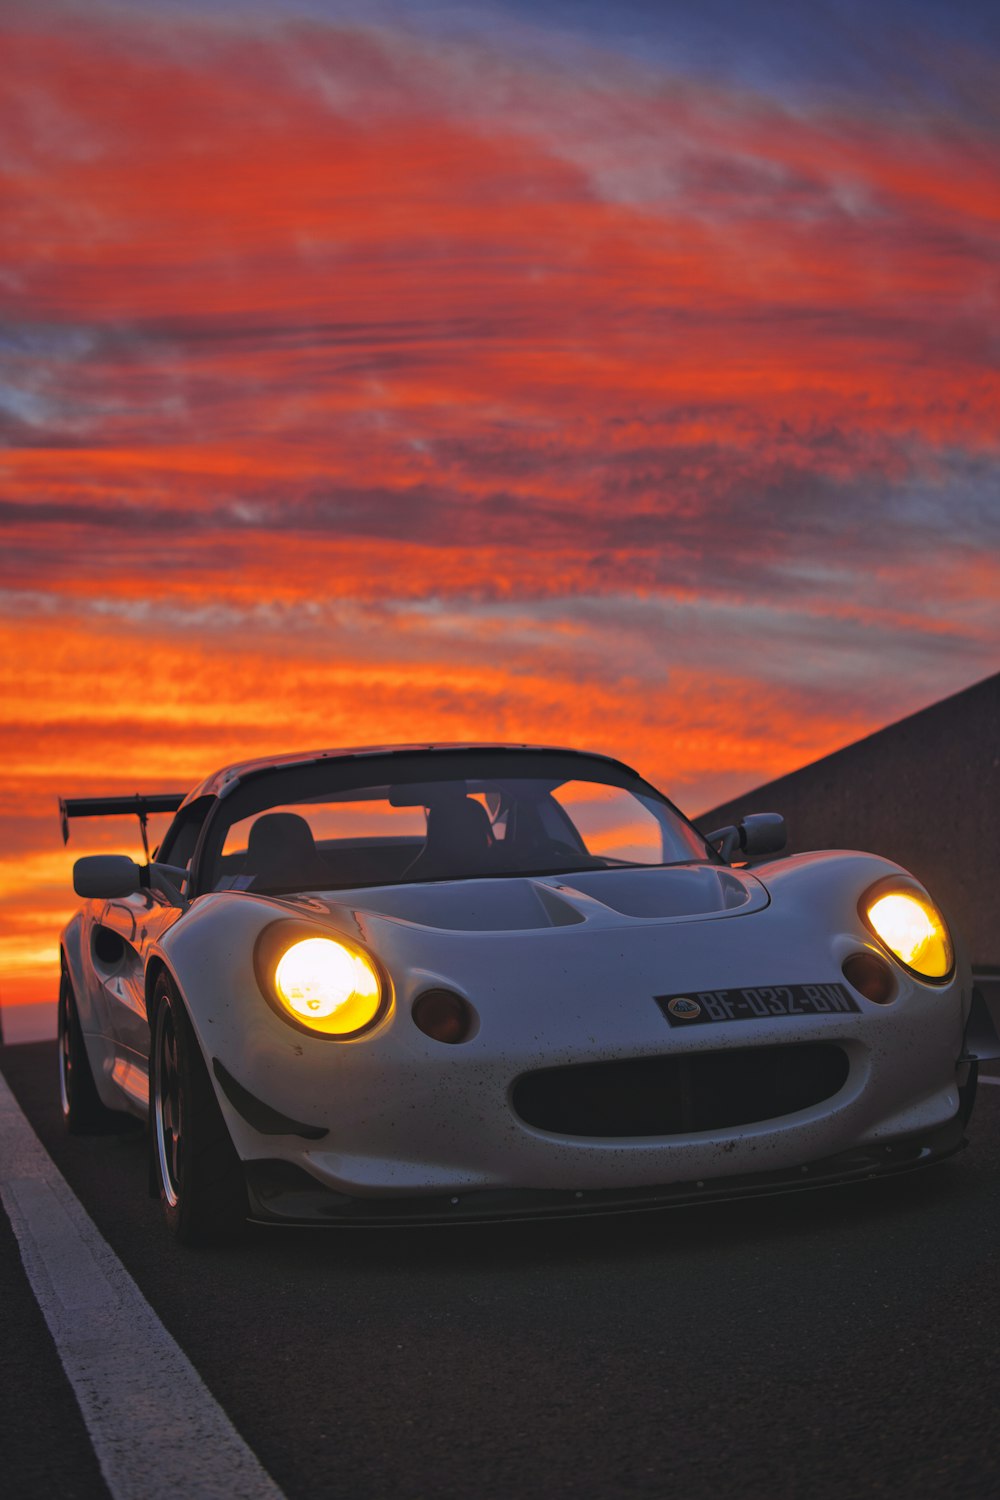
column 282, row 1193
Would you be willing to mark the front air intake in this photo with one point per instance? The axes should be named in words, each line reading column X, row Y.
column 680, row 1093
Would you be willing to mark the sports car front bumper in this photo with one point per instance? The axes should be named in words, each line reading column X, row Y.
column 283, row 1193
column 396, row 1126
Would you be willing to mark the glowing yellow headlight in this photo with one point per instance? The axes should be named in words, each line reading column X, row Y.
column 328, row 987
column 913, row 929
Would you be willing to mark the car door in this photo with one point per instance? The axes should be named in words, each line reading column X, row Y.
column 130, row 928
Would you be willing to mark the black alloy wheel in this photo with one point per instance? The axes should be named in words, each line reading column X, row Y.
column 168, row 1107
column 196, row 1169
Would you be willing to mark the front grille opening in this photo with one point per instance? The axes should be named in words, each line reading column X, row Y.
column 680, row 1093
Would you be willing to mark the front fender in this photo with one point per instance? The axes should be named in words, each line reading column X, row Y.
column 828, row 885
column 208, row 954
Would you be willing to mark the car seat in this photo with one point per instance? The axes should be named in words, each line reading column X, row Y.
column 459, row 841
column 281, row 851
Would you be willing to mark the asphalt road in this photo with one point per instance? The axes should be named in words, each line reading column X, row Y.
column 833, row 1343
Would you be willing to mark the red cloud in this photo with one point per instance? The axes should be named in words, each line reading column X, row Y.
column 314, row 328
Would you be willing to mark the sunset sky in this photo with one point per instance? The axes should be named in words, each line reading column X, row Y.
column 624, row 376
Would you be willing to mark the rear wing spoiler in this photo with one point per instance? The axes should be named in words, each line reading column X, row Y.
column 139, row 805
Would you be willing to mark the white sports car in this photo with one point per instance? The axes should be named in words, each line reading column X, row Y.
column 416, row 983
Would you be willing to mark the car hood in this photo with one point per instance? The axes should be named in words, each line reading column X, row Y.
column 598, row 897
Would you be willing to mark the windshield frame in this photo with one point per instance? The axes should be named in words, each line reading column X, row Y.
column 279, row 785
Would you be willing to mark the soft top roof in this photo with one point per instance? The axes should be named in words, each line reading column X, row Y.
column 220, row 781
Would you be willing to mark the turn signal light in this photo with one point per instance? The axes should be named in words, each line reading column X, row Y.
column 871, row 976
column 443, row 1016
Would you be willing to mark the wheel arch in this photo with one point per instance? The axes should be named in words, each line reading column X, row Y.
column 156, row 968
column 71, row 965
column 157, row 965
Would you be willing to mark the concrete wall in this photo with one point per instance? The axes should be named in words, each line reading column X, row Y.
column 925, row 792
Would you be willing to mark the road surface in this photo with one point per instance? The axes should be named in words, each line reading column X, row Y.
column 835, row 1343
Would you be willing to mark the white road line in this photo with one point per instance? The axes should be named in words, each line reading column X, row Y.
column 994, row 1081
column 156, row 1429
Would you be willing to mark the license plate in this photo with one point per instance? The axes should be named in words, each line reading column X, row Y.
column 702, row 1007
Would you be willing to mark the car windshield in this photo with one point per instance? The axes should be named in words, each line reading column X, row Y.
column 439, row 815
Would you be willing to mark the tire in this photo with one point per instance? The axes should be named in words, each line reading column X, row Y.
column 81, row 1104
column 195, row 1165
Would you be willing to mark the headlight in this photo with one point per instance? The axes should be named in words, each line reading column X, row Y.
column 319, row 983
column 906, row 920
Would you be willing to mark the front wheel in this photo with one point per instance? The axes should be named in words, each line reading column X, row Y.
column 200, row 1178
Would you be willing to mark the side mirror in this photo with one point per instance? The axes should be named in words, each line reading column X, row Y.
column 755, row 835
column 762, row 833
column 106, row 876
